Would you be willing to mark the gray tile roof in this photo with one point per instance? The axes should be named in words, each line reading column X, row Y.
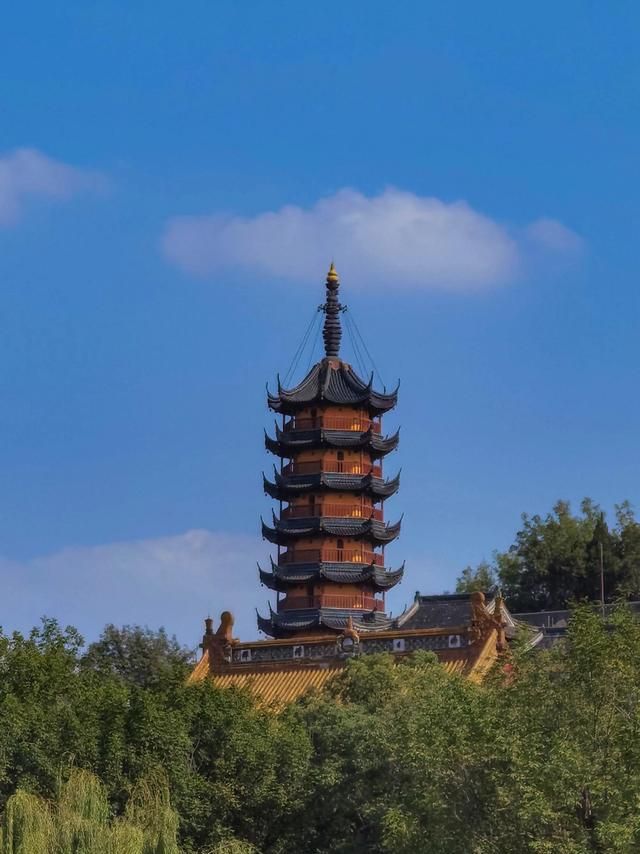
column 332, row 381
column 283, row 531
column 559, row 620
column 287, row 443
column 281, row 577
column 285, row 486
column 430, row 612
column 286, row 623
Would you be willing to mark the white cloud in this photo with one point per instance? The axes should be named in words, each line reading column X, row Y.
column 173, row 581
column 554, row 236
column 396, row 238
column 27, row 173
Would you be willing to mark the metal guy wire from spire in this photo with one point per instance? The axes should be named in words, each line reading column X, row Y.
column 301, row 346
column 354, row 344
column 313, row 347
column 366, row 349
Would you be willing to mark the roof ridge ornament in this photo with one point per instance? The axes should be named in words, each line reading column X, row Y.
column 332, row 330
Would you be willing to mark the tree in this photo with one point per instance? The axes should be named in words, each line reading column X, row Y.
column 566, row 728
column 139, row 655
column 395, row 756
column 398, row 763
column 627, row 533
column 410, row 758
column 556, row 559
column 78, row 820
column 233, row 769
column 481, row 578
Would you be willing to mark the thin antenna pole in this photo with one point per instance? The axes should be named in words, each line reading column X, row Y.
column 602, row 578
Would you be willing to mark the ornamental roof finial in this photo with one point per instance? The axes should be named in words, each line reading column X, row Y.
column 332, row 332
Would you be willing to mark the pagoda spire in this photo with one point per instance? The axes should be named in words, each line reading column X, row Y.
column 332, row 331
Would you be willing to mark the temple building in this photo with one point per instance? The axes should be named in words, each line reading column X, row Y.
column 330, row 575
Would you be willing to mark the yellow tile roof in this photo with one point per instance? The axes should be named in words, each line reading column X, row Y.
column 486, row 656
column 281, row 686
column 201, row 670
column 457, row 665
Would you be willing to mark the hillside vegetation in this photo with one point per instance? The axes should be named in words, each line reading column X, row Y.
column 97, row 751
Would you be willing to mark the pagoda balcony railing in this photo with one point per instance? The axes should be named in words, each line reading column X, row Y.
column 329, row 555
column 333, row 466
column 353, row 423
column 330, row 600
column 343, row 511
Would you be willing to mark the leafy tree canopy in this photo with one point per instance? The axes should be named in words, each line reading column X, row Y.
column 556, row 559
column 138, row 655
column 395, row 757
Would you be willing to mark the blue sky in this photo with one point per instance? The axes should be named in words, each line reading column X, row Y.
column 173, row 184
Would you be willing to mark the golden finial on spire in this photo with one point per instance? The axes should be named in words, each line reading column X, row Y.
column 332, row 275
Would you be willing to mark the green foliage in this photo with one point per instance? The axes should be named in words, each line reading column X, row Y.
column 392, row 758
column 27, row 825
column 408, row 758
column 555, row 560
column 570, row 724
column 228, row 763
column 125, row 839
column 233, row 846
column 82, row 815
column 399, row 760
column 481, row 578
column 78, row 822
column 150, row 810
column 139, row 656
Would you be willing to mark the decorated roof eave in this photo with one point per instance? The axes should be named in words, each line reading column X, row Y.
column 370, row 530
column 287, row 442
column 285, row 486
column 288, row 623
column 334, row 382
column 280, row 578
column 347, row 525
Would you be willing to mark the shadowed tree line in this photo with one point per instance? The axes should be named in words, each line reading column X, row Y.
column 107, row 748
column 556, row 559
column 543, row 757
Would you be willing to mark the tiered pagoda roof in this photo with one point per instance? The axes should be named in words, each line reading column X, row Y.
column 284, row 487
column 281, row 577
column 286, row 531
column 287, row 442
column 332, row 381
column 284, row 624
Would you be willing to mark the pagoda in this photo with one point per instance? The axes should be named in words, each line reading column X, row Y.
column 330, row 574
column 330, row 529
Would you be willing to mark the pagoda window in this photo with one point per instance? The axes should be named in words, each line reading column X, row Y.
column 340, row 546
column 340, row 461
